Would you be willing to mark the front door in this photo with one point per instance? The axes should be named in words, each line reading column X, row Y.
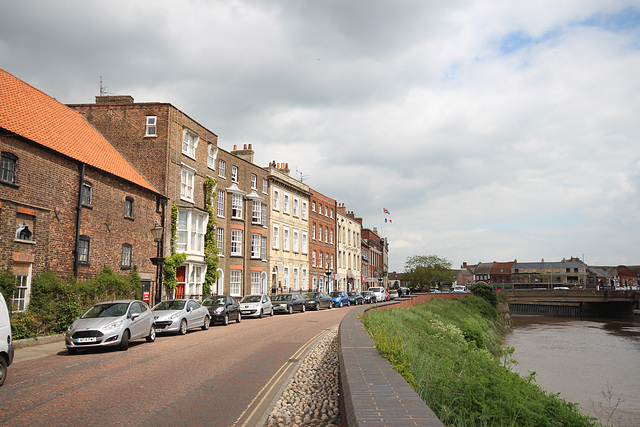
column 181, row 274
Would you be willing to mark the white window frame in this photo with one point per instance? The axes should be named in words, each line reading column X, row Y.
column 222, row 168
column 191, row 226
column 234, row 173
column 235, row 282
column 236, row 242
column 305, row 243
column 313, row 258
column 212, row 156
column 295, row 241
column 275, row 237
column 190, row 141
column 285, row 278
column 265, row 186
column 254, row 182
column 285, row 200
column 256, row 282
column 220, row 208
column 296, row 205
column 151, row 127
column 275, row 205
column 264, row 214
column 263, row 247
column 296, row 281
column 256, row 245
column 313, row 231
column 220, row 241
column 237, row 204
column 187, row 178
column 305, row 210
column 256, row 212
column 285, row 238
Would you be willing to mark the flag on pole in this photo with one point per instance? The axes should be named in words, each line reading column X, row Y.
column 388, row 220
column 386, row 211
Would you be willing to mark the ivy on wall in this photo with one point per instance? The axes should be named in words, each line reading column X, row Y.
column 210, row 247
column 174, row 261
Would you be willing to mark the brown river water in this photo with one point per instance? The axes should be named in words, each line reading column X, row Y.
column 592, row 362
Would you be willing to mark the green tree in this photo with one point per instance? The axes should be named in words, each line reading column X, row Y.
column 8, row 286
column 426, row 271
column 486, row 292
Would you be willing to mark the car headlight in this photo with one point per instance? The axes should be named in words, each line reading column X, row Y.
column 70, row 328
column 219, row 310
column 113, row 325
column 174, row 315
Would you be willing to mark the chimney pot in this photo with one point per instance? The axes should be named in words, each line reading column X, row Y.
column 245, row 147
column 250, row 147
column 235, row 147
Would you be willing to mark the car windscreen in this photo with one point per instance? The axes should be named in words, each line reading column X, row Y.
column 311, row 295
column 282, row 297
column 209, row 302
column 252, row 298
column 375, row 289
column 169, row 305
column 336, row 294
column 106, row 310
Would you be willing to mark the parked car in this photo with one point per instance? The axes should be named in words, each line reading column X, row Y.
column 404, row 291
column 378, row 291
column 256, row 305
column 223, row 308
column 369, row 297
column 460, row 289
column 6, row 343
column 317, row 300
column 288, row 303
column 180, row 315
column 112, row 323
column 355, row 298
column 393, row 294
column 387, row 297
column 340, row 298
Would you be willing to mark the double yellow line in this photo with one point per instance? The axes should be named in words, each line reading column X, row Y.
column 268, row 389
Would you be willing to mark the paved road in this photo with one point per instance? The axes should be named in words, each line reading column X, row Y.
column 226, row 376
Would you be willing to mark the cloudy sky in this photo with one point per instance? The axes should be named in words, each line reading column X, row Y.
column 490, row 130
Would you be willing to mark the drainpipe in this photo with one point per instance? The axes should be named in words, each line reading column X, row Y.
column 78, row 222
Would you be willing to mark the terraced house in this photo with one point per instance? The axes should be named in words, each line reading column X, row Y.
column 69, row 201
column 322, row 223
column 182, row 157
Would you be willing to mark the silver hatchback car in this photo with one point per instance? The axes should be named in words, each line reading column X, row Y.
column 112, row 323
column 179, row 315
column 256, row 305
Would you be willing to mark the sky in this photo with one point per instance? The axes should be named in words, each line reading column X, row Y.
column 489, row 130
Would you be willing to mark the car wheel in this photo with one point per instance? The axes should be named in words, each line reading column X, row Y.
column 152, row 334
column 261, row 315
column 239, row 318
column 340, row 304
column 330, row 306
column 3, row 370
column 183, row 327
column 290, row 309
column 124, row 342
column 317, row 306
column 304, row 308
column 72, row 350
column 225, row 320
column 207, row 323
column 271, row 314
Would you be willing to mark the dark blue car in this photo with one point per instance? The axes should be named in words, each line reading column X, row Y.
column 339, row 298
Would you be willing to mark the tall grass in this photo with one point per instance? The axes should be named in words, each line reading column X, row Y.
column 450, row 353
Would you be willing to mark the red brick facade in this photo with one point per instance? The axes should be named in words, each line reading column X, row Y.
column 322, row 241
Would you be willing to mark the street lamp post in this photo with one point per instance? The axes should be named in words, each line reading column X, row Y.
column 158, row 261
column 328, row 274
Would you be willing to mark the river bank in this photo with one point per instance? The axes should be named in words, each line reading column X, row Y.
column 449, row 351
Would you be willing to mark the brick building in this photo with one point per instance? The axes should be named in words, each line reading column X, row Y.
column 69, row 202
column 322, row 244
column 178, row 155
column 372, row 266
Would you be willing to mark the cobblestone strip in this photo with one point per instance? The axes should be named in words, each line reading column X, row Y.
column 312, row 397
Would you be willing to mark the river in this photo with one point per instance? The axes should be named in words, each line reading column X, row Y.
column 592, row 362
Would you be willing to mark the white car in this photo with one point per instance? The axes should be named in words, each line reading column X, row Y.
column 379, row 293
column 256, row 305
column 6, row 345
column 179, row 315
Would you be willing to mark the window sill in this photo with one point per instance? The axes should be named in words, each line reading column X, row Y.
column 130, row 218
column 28, row 242
column 10, row 184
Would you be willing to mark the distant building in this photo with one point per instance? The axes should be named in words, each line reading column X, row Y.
column 349, row 250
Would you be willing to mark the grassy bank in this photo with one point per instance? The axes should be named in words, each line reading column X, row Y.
column 450, row 352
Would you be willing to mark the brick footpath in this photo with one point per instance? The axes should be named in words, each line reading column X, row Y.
column 372, row 392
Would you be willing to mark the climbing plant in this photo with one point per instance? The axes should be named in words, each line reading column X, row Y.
column 171, row 264
column 210, row 248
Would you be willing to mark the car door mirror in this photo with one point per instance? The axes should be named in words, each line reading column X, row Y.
column 134, row 316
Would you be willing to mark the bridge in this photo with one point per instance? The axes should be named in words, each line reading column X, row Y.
column 575, row 302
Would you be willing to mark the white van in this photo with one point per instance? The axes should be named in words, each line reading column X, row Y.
column 6, row 345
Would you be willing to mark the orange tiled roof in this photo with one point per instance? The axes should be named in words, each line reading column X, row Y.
column 32, row 114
